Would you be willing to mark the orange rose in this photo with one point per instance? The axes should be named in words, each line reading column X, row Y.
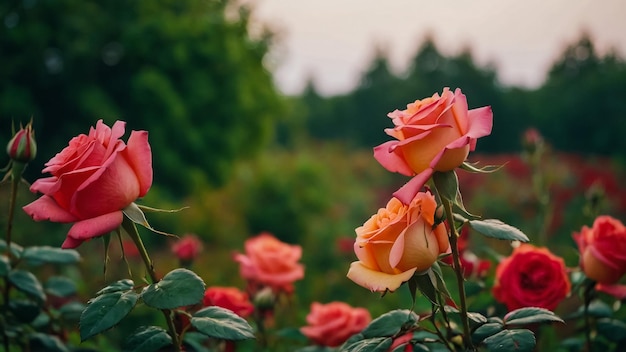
column 271, row 262
column 603, row 250
column 531, row 277
column 432, row 134
column 397, row 242
column 333, row 323
column 230, row 298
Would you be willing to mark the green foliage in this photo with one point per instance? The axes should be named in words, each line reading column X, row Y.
column 222, row 324
column 106, row 311
column 147, row 339
column 39, row 255
column 511, row 340
column 178, row 288
column 497, row 229
column 187, row 71
column 390, row 323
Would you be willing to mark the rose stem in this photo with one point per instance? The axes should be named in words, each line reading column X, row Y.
column 460, row 281
column 587, row 300
column 131, row 229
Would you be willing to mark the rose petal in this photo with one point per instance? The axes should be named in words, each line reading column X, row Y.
column 139, row 155
column 407, row 192
column 45, row 208
column 617, row 291
column 481, row 122
column 94, row 227
column 375, row 280
column 391, row 160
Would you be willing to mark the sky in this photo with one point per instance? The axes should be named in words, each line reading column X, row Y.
column 333, row 41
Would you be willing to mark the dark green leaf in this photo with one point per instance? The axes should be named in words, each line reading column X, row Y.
column 72, row 310
column 597, row 309
column 180, row 287
column 147, row 339
column 5, row 266
column 377, row 344
column 121, row 285
column 44, row 342
column 105, row 311
column 427, row 285
column 60, row 286
column 425, row 336
column 447, row 184
column 24, row 310
column 472, row 316
column 46, row 254
column 486, row 330
column 497, row 229
column 511, row 340
column 613, row 329
column 222, row 324
column 27, row 283
column 530, row 315
column 390, row 323
column 16, row 249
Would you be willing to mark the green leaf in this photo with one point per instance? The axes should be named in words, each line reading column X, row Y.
column 27, row 283
column 222, row 324
column 60, row 286
column 24, row 310
column 147, row 339
column 72, row 310
column 44, row 342
column 427, row 284
column 377, row 344
column 120, row 285
column 472, row 316
column 511, row 340
column 16, row 249
column 135, row 214
column 613, row 329
column 530, row 315
column 497, row 229
column 105, row 311
column 486, row 330
column 5, row 265
column 597, row 309
column 53, row 255
column 447, row 184
column 390, row 323
column 180, row 287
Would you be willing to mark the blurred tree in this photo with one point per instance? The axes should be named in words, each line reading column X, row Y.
column 188, row 71
column 581, row 106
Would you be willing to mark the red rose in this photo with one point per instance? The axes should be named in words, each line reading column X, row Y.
column 270, row 262
column 93, row 179
column 333, row 323
column 603, row 250
column 187, row 247
column 230, row 298
column 531, row 277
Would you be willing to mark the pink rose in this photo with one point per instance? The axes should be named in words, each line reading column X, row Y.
column 531, row 277
column 22, row 147
column 93, row 179
column 603, row 250
column 187, row 247
column 396, row 242
column 433, row 134
column 270, row 262
column 333, row 323
column 403, row 340
column 230, row 298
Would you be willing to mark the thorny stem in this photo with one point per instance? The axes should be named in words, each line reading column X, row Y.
column 131, row 229
column 460, row 281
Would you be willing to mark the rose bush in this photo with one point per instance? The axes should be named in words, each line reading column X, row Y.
column 93, row 179
column 270, row 262
column 333, row 323
column 531, row 277
column 603, row 250
column 230, row 298
column 397, row 242
column 432, row 134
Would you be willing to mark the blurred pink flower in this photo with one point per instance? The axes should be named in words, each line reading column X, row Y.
column 187, row 247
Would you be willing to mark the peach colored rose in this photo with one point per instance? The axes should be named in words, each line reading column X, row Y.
column 93, row 179
column 333, row 323
column 270, row 262
column 531, row 277
column 230, row 298
column 603, row 249
column 432, row 134
column 187, row 247
column 397, row 242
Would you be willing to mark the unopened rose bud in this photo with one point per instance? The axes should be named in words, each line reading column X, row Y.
column 440, row 215
column 22, row 146
column 264, row 299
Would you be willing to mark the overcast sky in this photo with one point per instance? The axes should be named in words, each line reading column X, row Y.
column 334, row 40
